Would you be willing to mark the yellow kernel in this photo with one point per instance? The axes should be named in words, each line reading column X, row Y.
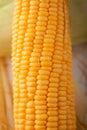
column 52, row 113
column 54, row 80
column 32, row 16
column 62, row 112
column 63, row 84
column 19, row 121
column 52, row 22
column 54, row 74
column 46, row 53
column 40, row 122
column 28, row 127
column 21, row 109
column 34, row 59
column 40, row 102
column 40, row 33
column 30, row 21
column 46, row 63
column 63, row 78
column 31, row 78
column 40, row 28
column 44, row 5
column 57, row 66
column 53, row 118
column 44, row 72
column 51, row 32
column 35, row 54
column 53, row 109
column 33, row 74
column 62, row 117
column 45, row 58
column 46, row 68
column 19, row 115
column 31, row 89
column 62, row 104
column 62, row 99
column 45, row 13
column 41, row 117
column 38, row 127
column 53, row 27
column 43, row 107
column 19, row 126
column 43, row 9
column 62, row 127
column 31, row 84
column 47, row 44
column 37, row 41
column 62, row 122
column 39, row 97
column 53, row 85
column 30, row 111
column 52, row 105
column 62, row 93
column 39, row 37
column 34, row 3
column 40, row 112
column 52, row 89
column 52, row 100
column 30, row 104
column 53, row 94
column 47, row 49
column 30, row 96
column 50, row 128
column 49, row 40
column 41, row 23
column 52, row 124
column 42, row 82
column 34, row 64
column 30, row 116
column 44, row 87
column 41, row 92
column 38, row 49
column 29, row 123
column 42, row 77
column 33, row 69
column 22, row 95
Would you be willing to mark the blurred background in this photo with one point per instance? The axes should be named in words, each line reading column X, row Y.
column 78, row 26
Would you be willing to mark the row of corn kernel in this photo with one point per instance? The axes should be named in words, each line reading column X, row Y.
column 42, row 78
column 21, row 69
column 52, row 96
column 62, row 104
column 34, row 63
column 68, row 59
column 33, row 66
column 26, row 53
column 15, row 59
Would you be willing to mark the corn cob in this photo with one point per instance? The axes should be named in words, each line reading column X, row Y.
column 42, row 66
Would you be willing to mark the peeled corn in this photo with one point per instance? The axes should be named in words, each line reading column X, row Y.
column 42, row 66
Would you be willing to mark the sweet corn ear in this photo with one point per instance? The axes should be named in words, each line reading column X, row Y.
column 42, row 66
